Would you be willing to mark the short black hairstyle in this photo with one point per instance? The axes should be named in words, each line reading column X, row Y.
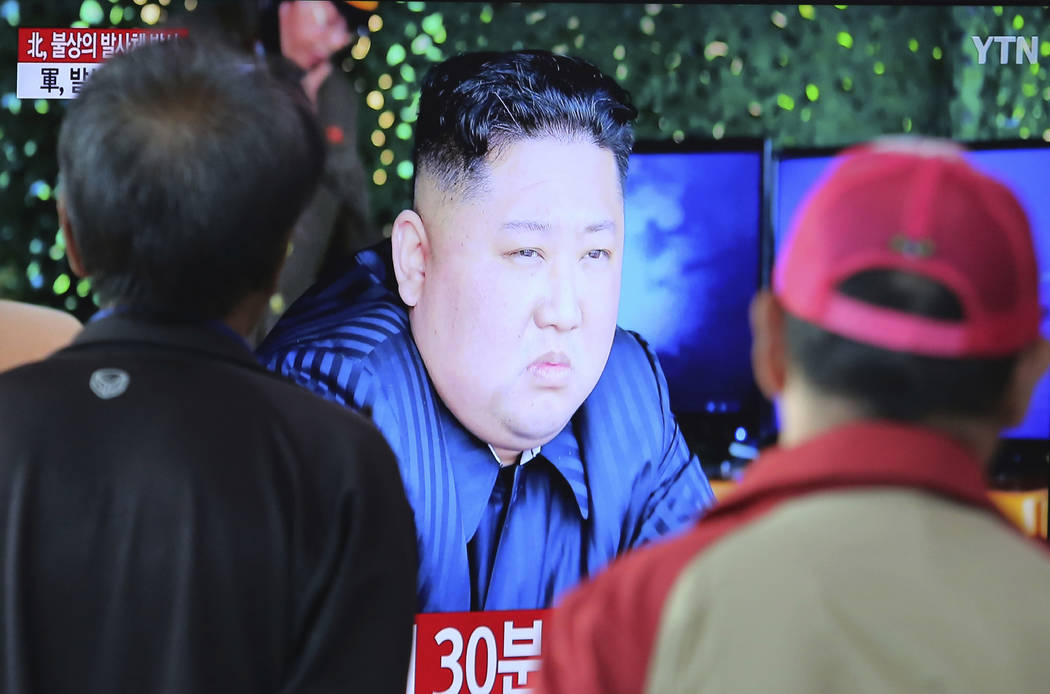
column 894, row 385
column 473, row 104
column 183, row 167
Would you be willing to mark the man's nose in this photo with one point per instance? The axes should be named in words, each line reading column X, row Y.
column 560, row 306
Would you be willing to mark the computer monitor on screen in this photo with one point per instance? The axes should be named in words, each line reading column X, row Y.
column 1022, row 166
column 692, row 263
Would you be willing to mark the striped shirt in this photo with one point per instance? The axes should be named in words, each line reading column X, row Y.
column 618, row 475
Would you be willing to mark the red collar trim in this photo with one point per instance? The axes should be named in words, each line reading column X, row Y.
column 868, row 453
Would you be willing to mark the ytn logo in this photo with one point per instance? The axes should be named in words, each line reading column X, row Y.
column 1022, row 48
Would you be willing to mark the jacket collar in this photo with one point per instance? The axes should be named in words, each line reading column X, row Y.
column 866, row 453
column 187, row 336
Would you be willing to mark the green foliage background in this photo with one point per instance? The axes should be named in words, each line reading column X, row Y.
column 801, row 75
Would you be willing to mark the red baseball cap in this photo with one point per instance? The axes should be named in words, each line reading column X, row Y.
column 914, row 204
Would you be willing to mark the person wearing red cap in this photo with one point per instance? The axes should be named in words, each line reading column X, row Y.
column 861, row 553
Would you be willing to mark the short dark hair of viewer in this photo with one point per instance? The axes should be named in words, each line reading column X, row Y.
column 896, row 385
column 473, row 104
column 184, row 166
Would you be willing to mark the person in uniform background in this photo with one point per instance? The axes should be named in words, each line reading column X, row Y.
column 29, row 333
column 534, row 436
column 173, row 516
column 862, row 554
column 337, row 223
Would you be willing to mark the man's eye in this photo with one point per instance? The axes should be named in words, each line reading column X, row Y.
column 598, row 253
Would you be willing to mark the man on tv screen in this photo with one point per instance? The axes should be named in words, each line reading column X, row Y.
column 535, row 437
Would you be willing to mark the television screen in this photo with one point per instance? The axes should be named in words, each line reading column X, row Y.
column 1020, row 168
column 691, row 266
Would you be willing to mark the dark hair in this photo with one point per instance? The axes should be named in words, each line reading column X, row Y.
column 184, row 166
column 897, row 385
column 475, row 103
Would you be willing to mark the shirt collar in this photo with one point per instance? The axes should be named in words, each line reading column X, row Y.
column 475, row 466
column 526, row 456
column 866, row 453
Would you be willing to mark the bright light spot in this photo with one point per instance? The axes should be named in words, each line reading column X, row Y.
column 41, row 190
column 374, row 100
column 740, row 434
column 755, row 109
column 847, row 84
column 91, row 12
column 619, row 52
column 83, row 287
column 361, row 48
column 61, row 285
column 937, row 53
column 399, row 92
column 395, row 54
column 191, row 5
column 779, row 19
column 116, row 15
column 431, row 23
column 913, row 45
column 404, row 170
column 1018, row 22
column 375, row 23
column 10, row 12
column 737, row 66
column 880, row 67
column 378, row 138
column 812, row 92
column 845, row 40
column 404, row 131
column 41, row 106
column 36, row 246
column 386, row 119
column 807, row 11
column 785, row 102
column 647, row 25
column 719, row 130
column 379, row 177
column 408, row 73
column 621, row 71
column 486, row 14
column 386, row 158
column 416, row 6
column 716, row 49
column 29, row 148
column 421, row 43
column 385, row 81
column 151, row 14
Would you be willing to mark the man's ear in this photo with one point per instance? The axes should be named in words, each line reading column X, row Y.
column 1031, row 364
column 768, row 347
column 76, row 264
column 411, row 250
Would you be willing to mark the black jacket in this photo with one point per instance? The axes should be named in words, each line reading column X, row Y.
column 174, row 518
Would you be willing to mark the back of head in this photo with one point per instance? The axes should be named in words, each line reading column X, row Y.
column 473, row 104
column 910, row 283
column 184, row 166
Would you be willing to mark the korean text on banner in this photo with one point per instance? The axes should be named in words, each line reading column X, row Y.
column 53, row 63
column 477, row 652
